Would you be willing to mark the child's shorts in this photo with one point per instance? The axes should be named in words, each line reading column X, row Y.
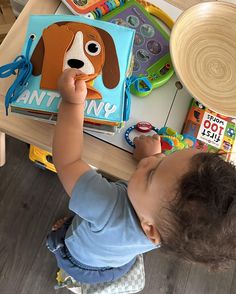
column 80, row 272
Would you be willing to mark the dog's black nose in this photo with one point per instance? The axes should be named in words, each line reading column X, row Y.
column 75, row 63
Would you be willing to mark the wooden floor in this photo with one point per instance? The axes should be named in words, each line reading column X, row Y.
column 31, row 200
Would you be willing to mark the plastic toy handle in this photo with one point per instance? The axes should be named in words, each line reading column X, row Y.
column 141, row 87
column 158, row 12
column 155, row 11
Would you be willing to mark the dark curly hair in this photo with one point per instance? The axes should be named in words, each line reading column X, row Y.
column 201, row 221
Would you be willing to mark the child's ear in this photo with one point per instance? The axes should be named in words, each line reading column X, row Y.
column 151, row 231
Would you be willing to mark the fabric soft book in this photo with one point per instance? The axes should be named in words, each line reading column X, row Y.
column 101, row 50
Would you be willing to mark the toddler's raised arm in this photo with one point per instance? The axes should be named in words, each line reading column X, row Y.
column 68, row 136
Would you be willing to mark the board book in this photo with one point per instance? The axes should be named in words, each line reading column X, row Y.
column 210, row 131
column 101, row 50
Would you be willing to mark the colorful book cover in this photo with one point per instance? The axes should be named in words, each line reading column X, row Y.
column 209, row 130
column 101, row 50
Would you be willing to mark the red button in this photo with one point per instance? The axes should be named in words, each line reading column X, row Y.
column 143, row 127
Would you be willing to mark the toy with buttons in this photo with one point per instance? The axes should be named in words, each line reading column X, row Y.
column 106, row 8
column 151, row 43
column 92, row 9
column 171, row 140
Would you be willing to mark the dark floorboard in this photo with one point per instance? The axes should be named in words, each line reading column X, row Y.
column 31, row 200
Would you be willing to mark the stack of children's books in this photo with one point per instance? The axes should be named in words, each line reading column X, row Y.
column 209, row 131
column 101, row 50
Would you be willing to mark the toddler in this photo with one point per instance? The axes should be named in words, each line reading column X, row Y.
column 183, row 203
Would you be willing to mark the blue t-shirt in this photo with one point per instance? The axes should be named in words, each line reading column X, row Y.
column 106, row 231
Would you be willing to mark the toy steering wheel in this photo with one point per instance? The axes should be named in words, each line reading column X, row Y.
column 170, row 139
column 143, row 127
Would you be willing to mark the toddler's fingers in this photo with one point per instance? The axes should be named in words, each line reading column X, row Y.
column 136, row 139
column 80, row 86
column 67, row 78
column 69, row 74
column 139, row 140
column 156, row 137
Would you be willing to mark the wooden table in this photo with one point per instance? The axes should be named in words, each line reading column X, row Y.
column 107, row 158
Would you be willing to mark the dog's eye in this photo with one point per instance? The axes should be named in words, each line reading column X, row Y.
column 93, row 48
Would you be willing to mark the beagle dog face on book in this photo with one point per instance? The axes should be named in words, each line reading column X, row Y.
column 76, row 45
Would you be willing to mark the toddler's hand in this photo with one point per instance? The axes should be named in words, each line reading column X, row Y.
column 146, row 146
column 71, row 89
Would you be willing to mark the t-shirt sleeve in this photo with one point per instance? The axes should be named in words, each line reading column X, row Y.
column 94, row 198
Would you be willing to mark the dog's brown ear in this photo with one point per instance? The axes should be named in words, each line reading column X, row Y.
column 38, row 54
column 37, row 58
column 110, row 70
